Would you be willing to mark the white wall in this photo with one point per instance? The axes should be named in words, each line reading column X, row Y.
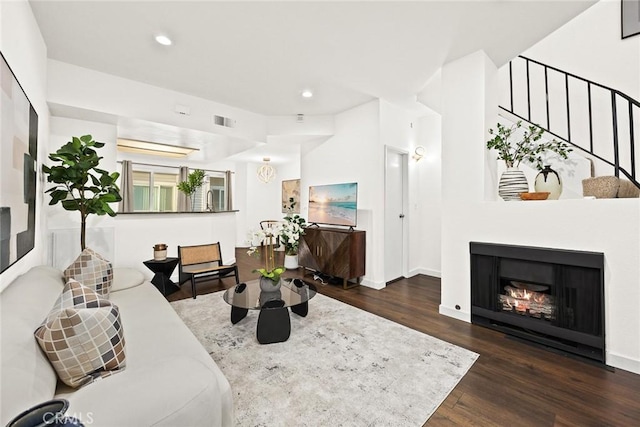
column 469, row 214
column 426, row 200
column 590, row 46
column 136, row 234
column 24, row 50
column 354, row 154
column 261, row 201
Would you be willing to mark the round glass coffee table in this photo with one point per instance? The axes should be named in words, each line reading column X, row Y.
column 274, row 324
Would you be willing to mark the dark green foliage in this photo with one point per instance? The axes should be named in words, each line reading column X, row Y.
column 528, row 149
column 194, row 180
column 81, row 185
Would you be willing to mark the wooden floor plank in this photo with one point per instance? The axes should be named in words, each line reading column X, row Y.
column 511, row 384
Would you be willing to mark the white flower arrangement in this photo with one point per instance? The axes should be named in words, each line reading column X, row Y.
column 290, row 233
column 266, row 237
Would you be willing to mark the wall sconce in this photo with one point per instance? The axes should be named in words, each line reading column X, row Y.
column 418, row 153
column 266, row 172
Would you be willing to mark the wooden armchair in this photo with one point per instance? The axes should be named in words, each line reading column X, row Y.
column 203, row 261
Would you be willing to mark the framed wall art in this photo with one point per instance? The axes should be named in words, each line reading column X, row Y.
column 630, row 18
column 18, row 154
column 291, row 196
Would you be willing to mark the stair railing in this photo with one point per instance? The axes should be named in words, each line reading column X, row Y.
column 617, row 98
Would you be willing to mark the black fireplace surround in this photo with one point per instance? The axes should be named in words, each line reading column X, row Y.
column 553, row 297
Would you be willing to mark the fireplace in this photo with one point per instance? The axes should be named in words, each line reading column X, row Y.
column 553, row 297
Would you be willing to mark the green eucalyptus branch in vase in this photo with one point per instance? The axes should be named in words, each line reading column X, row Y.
column 528, row 148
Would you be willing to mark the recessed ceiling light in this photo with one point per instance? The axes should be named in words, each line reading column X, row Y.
column 307, row 94
column 163, row 40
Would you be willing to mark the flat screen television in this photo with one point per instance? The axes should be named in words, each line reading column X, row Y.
column 333, row 204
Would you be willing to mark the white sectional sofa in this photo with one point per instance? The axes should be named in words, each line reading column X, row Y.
column 169, row 379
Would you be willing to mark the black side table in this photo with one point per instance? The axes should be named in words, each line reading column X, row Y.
column 162, row 278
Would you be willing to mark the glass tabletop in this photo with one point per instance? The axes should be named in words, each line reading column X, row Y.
column 292, row 292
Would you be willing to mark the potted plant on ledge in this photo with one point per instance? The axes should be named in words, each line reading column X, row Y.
column 194, row 181
column 528, row 149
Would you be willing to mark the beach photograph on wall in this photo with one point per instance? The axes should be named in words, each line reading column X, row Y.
column 19, row 146
column 334, row 204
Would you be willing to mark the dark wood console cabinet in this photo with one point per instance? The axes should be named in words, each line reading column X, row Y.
column 334, row 251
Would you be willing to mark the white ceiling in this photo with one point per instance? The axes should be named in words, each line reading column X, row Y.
column 259, row 56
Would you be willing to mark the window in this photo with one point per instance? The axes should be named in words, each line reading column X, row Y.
column 154, row 191
column 211, row 196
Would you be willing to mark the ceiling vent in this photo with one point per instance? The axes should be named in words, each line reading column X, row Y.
column 300, row 118
column 224, row 121
column 183, row 110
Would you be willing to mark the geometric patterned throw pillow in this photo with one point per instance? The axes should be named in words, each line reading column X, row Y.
column 84, row 344
column 92, row 270
column 75, row 294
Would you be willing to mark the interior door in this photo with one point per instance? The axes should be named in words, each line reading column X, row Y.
column 394, row 241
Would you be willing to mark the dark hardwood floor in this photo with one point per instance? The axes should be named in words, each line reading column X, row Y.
column 511, row 384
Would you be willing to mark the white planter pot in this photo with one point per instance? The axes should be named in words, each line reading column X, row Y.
column 512, row 183
column 549, row 180
column 291, row 262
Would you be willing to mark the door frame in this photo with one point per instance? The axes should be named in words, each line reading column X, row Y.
column 404, row 154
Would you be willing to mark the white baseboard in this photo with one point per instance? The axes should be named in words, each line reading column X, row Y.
column 424, row 271
column 623, row 362
column 465, row 316
column 373, row 285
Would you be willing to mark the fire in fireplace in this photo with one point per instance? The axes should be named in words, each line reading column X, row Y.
column 554, row 297
column 528, row 299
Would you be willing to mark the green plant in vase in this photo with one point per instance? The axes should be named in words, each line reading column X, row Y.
column 513, row 151
column 194, row 181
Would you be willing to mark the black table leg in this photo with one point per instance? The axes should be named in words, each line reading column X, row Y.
column 301, row 309
column 237, row 314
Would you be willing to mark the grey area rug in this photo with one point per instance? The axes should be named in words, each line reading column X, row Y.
column 342, row 366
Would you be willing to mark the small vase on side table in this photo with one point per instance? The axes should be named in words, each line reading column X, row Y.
column 512, row 183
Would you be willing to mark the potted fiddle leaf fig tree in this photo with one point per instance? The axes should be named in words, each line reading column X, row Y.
column 80, row 184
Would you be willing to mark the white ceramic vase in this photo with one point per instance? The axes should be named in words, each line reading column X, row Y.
column 512, row 183
column 549, row 180
column 291, row 262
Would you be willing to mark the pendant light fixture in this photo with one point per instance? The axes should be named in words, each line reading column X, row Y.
column 266, row 172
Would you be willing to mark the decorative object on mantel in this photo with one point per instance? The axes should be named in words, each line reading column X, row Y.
column 194, row 181
column 542, row 195
column 82, row 185
column 549, row 180
column 160, row 252
column 513, row 182
column 270, row 274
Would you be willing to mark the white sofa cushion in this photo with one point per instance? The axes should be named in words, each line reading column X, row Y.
column 126, row 278
column 26, row 375
column 181, row 391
